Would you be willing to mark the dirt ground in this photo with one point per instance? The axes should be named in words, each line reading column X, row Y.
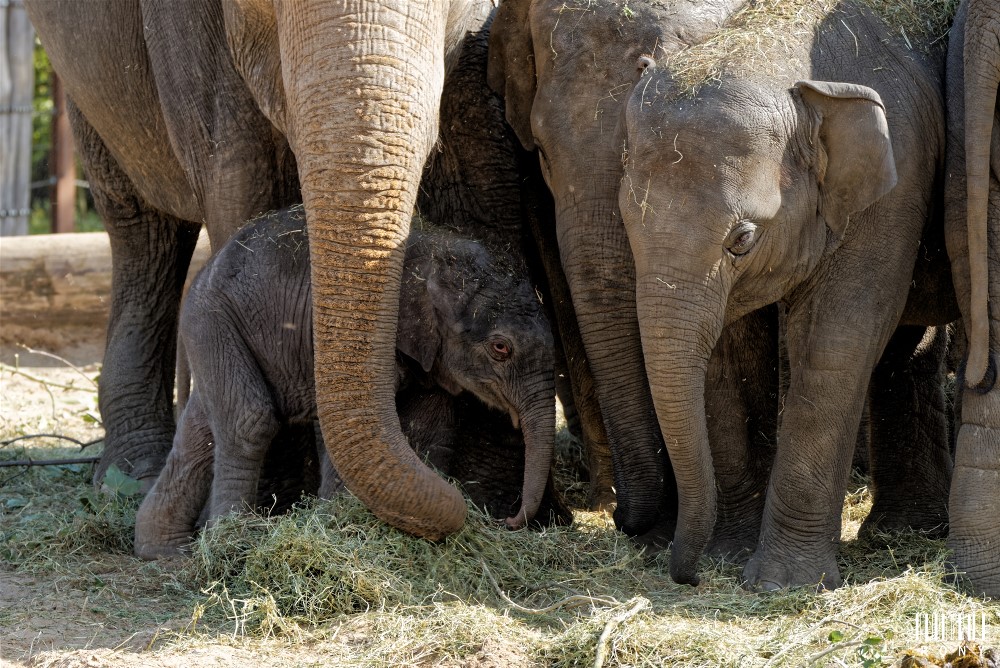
column 111, row 610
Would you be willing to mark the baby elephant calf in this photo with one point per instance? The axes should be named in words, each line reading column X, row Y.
column 469, row 324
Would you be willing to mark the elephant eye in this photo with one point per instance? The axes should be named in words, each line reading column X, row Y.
column 741, row 238
column 499, row 349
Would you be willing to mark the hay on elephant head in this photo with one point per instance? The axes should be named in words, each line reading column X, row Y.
column 763, row 37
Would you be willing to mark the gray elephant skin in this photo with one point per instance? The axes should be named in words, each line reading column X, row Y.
column 564, row 69
column 794, row 184
column 471, row 333
column 212, row 112
column 972, row 218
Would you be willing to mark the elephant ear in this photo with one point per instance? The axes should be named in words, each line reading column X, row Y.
column 417, row 335
column 854, row 162
column 510, row 71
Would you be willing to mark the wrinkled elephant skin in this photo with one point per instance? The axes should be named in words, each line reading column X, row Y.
column 217, row 124
column 784, row 187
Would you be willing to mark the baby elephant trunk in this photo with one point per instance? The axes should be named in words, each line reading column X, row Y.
column 537, row 418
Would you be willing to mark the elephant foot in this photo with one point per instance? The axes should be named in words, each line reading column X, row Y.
column 974, row 537
column 149, row 551
column 768, row 571
column 656, row 539
column 930, row 520
column 731, row 548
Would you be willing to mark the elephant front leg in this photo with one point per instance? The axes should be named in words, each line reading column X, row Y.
column 974, row 503
column 150, row 254
column 830, row 366
column 910, row 462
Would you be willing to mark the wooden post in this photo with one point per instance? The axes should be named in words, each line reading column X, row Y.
column 17, row 89
column 63, row 197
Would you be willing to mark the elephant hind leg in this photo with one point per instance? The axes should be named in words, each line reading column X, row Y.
column 150, row 254
column 742, row 405
column 910, row 462
column 168, row 515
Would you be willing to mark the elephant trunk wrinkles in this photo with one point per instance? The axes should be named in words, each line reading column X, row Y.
column 677, row 350
column 362, row 102
column 538, row 424
column 982, row 77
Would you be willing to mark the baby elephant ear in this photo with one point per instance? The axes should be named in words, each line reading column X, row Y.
column 417, row 334
column 855, row 165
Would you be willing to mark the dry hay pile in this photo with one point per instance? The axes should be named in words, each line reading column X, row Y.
column 565, row 596
column 766, row 33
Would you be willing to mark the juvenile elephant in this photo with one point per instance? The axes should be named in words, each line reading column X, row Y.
column 783, row 178
column 972, row 218
column 212, row 112
column 563, row 69
column 470, row 323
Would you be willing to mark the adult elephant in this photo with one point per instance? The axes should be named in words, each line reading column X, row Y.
column 191, row 113
column 800, row 171
column 972, row 195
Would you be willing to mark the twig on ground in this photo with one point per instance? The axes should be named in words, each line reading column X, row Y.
column 602, row 642
column 83, row 444
column 47, row 383
column 830, row 650
column 60, row 359
column 568, row 602
column 50, row 462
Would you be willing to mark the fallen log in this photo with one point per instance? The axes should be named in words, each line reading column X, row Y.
column 55, row 288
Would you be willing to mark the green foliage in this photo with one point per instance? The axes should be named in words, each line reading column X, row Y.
column 120, row 485
column 39, row 222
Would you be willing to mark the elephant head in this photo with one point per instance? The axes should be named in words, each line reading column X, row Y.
column 355, row 87
column 472, row 322
column 731, row 197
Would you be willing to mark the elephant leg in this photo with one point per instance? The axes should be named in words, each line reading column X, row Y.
column 330, row 482
column 741, row 405
column 244, row 423
column 291, row 469
column 166, row 520
column 862, row 446
column 974, row 502
column 830, row 368
column 539, row 212
column 430, row 422
column 150, row 254
column 910, row 460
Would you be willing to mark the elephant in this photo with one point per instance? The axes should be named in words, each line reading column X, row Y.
column 563, row 69
column 803, row 175
column 972, row 222
column 213, row 112
column 470, row 324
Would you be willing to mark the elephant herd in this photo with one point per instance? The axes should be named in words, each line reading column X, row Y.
column 742, row 241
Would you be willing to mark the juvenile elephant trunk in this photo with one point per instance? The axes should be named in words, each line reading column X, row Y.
column 362, row 98
column 982, row 77
column 684, row 327
column 538, row 424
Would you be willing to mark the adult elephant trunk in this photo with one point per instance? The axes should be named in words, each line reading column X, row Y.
column 537, row 415
column 602, row 282
column 362, row 83
column 680, row 324
column 982, row 78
